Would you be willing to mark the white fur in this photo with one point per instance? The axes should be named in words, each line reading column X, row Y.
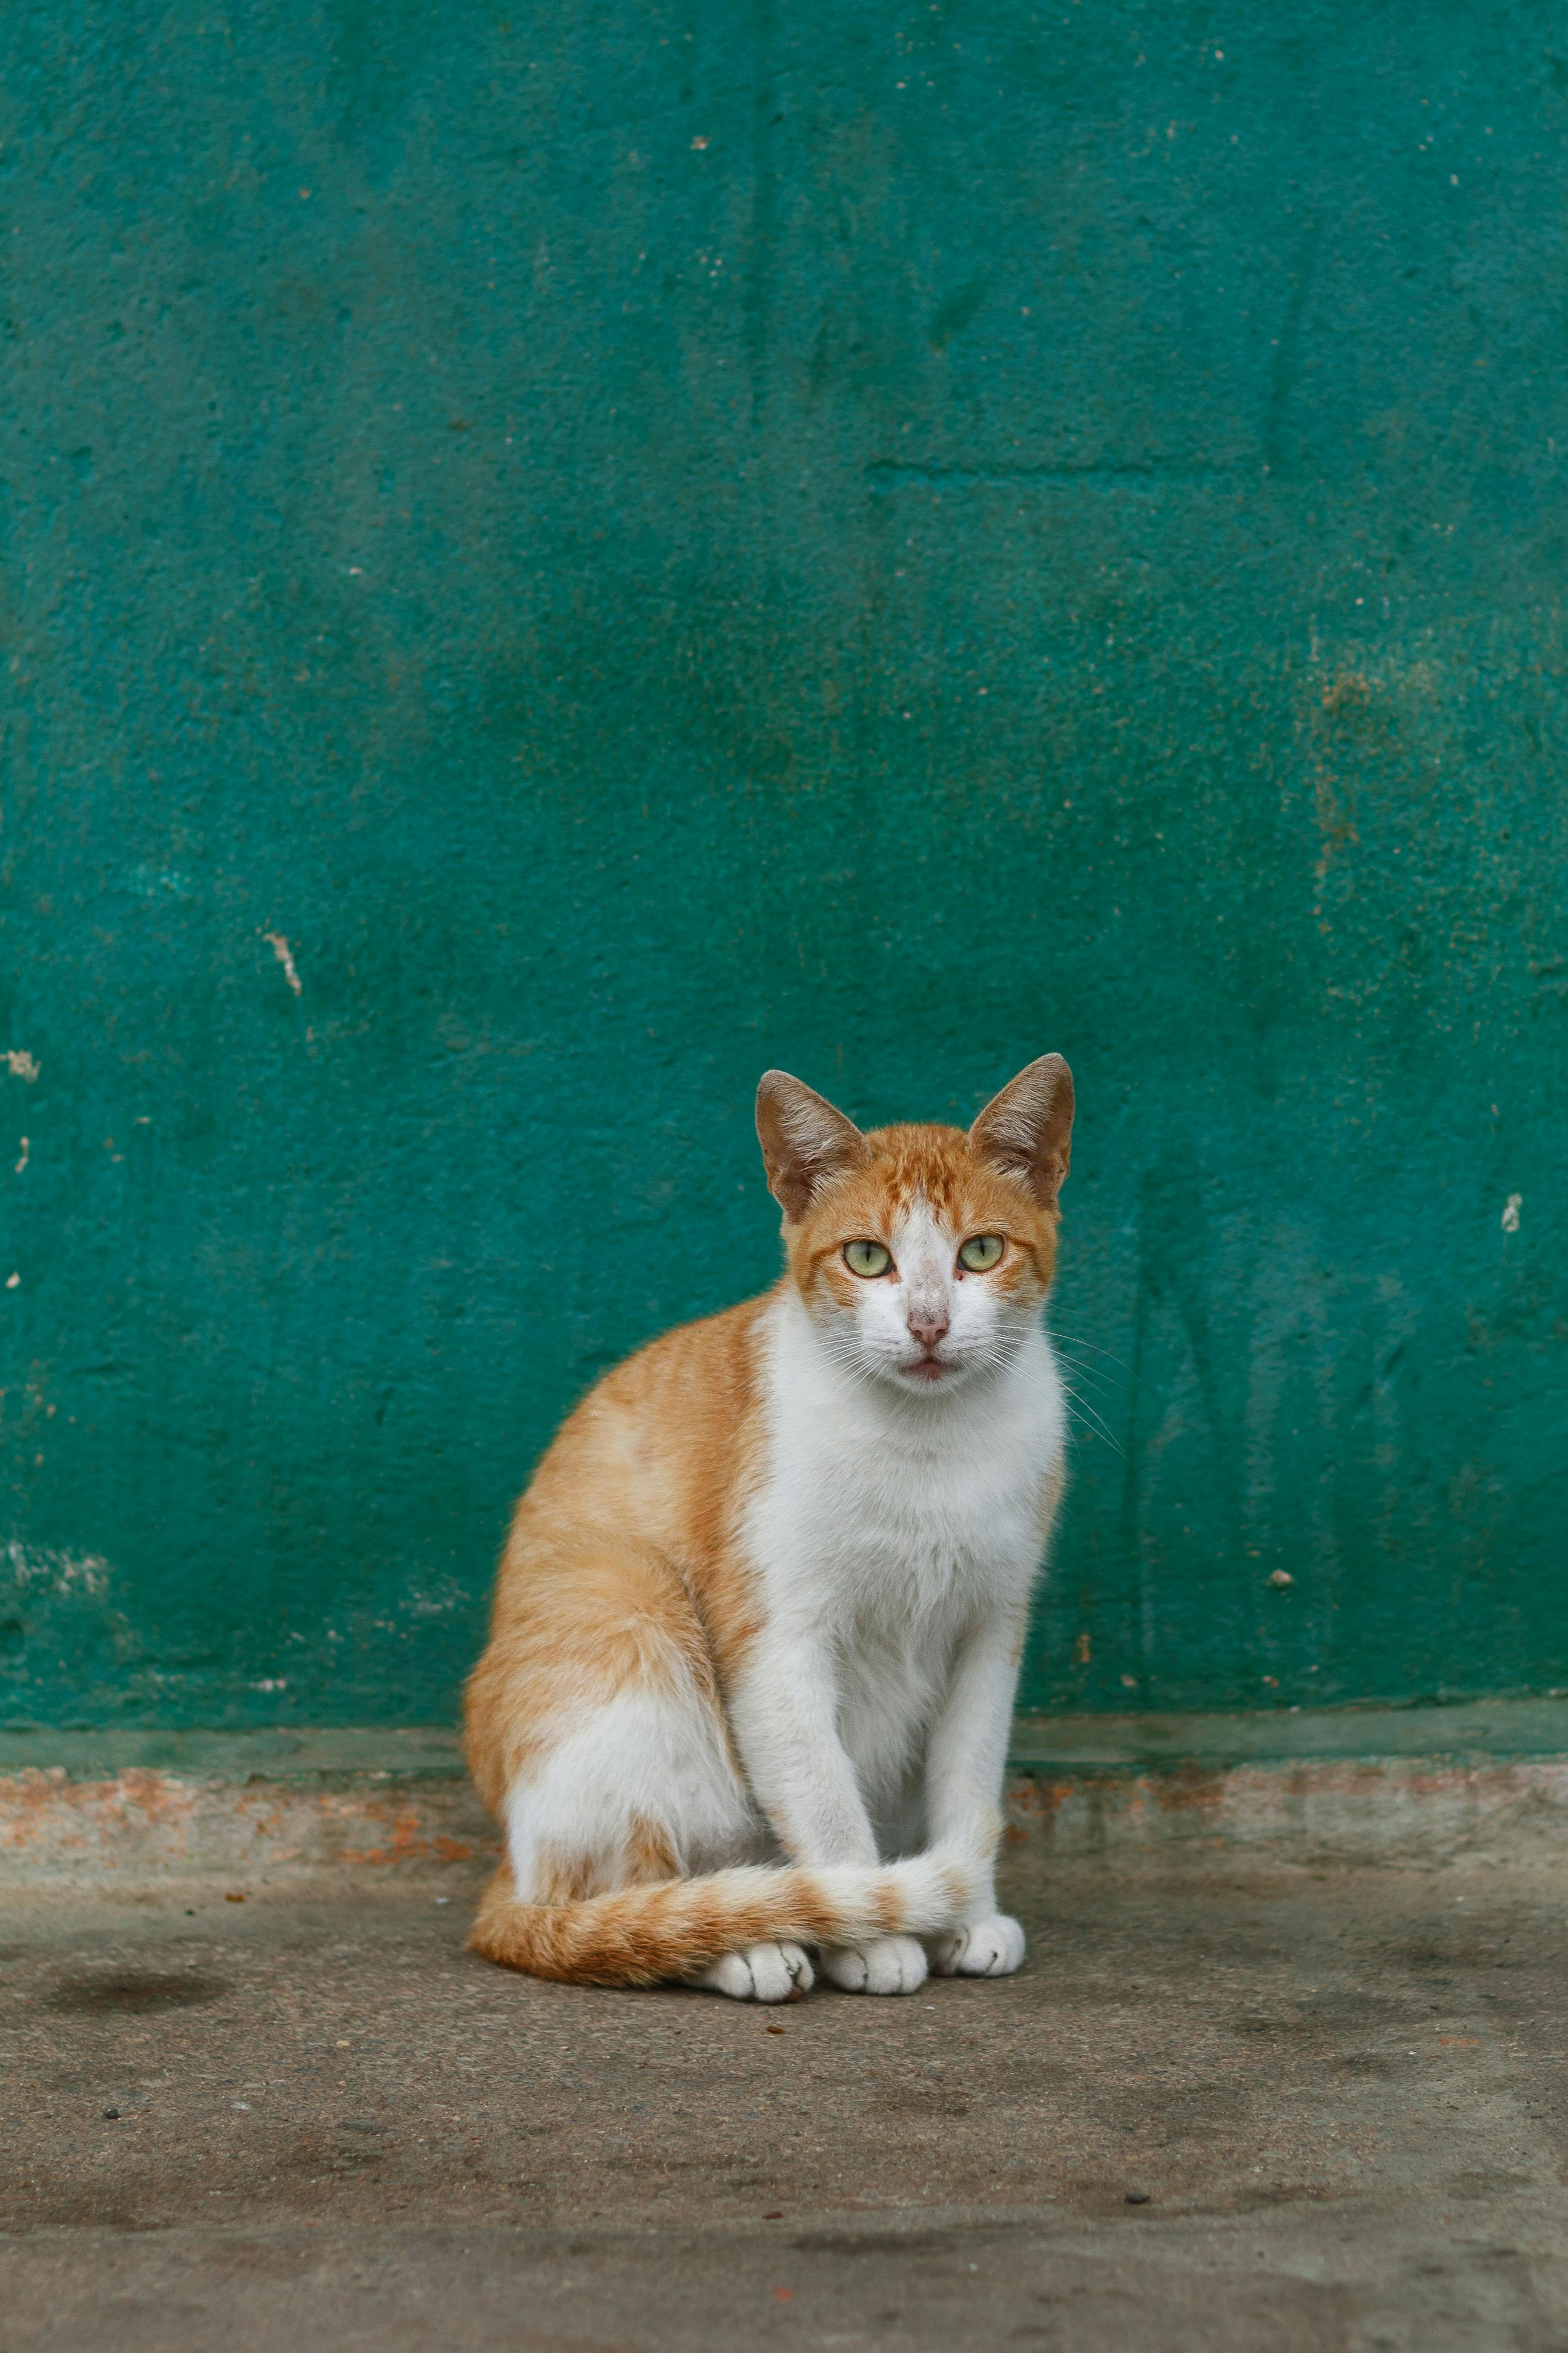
column 877, row 1965
column 895, row 1534
column 761, row 1973
column 641, row 1753
column 984, row 1948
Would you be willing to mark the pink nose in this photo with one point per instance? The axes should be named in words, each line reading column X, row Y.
column 928, row 1328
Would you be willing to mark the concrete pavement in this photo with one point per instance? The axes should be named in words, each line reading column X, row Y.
column 1224, row 2106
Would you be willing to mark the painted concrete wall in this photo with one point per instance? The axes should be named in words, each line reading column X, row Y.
column 550, row 557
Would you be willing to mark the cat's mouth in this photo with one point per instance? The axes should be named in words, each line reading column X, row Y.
column 928, row 1368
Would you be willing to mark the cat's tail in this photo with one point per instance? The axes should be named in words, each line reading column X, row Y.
column 650, row 1935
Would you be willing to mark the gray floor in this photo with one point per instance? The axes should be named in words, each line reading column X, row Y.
column 1339, row 2097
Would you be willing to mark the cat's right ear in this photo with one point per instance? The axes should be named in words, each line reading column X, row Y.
column 806, row 1143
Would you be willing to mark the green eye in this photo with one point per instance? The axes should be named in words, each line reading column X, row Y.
column 867, row 1259
column 981, row 1252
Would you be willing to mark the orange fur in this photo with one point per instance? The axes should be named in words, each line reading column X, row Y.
column 625, row 1570
column 642, row 1935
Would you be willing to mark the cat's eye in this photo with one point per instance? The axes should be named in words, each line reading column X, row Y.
column 867, row 1259
column 981, row 1252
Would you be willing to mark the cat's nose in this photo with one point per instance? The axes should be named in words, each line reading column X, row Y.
column 928, row 1325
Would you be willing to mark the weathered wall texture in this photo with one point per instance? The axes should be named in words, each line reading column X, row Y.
column 550, row 558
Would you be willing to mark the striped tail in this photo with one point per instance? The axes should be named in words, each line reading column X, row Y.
column 650, row 1935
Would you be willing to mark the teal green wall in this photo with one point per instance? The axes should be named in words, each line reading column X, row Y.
column 645, row 542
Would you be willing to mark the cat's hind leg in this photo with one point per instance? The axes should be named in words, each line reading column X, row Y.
column 639, row 1791
column 636, row 1792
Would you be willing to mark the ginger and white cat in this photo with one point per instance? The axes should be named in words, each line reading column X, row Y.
column 758, row 1619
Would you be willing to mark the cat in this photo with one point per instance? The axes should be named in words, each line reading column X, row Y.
column 758, row 1618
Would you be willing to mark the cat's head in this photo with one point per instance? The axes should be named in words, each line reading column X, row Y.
column 922, row 1253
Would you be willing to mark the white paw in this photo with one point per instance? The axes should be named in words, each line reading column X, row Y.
column 761, row 1973
column 986, row 1949
column 881, row 1965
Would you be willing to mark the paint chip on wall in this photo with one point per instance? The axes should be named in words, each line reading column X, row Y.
column 1511, row 1207
column 21, row 1064
column 281, row 949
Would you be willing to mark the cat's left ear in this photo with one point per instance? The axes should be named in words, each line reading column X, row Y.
column 806, row 1143
column 1027, row 1128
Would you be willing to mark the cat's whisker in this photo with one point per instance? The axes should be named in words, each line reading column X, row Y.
column 1068, row 1349
column 1075, row 1340
column 1090, row 1419
column 1101, row 1374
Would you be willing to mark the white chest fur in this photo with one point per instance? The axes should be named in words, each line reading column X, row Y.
column 885, row 1525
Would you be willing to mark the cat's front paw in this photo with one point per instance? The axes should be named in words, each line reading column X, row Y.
column 760, row 1973
column 879, row 1964
column 986, row 1949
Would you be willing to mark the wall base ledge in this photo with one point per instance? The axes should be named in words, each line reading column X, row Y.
column 1479, row 1781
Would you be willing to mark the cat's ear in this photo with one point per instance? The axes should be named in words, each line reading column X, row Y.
column 806, row 1143
column 1027, row 1128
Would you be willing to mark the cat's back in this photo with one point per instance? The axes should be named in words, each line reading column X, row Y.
column 661, row 1444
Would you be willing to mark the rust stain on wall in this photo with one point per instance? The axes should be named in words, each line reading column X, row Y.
column 143, row 1822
